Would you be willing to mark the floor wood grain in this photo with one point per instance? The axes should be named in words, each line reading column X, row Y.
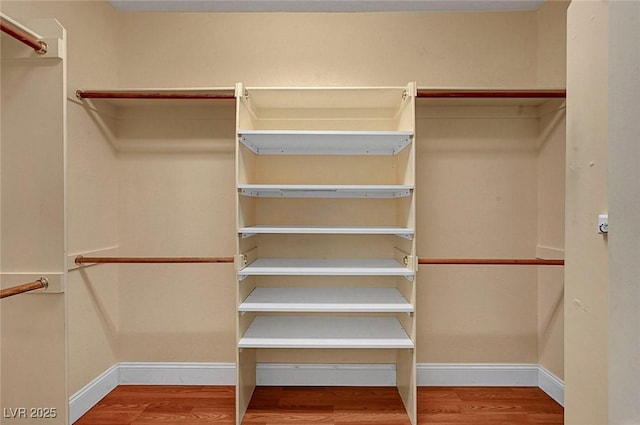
column 195, row 405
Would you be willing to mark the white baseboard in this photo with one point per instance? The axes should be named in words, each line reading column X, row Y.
column 177, row 373
column 491, row 375
column 356, row 375
column 551, row 384
column 481, row 374
column 149, row 374
column 92, row 393
column 441, row 374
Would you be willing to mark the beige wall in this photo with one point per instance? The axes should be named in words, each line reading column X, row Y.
column 0, row 257
column 550, row 238
column 624, row 209
column 177, row 198
column 552, row 46
column 169, row 187
column 551, row 59
column 93, row 308
column 439, row 49
column 473, row 172
column 587, row 268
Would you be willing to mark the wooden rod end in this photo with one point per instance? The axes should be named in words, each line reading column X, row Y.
column 43, row 48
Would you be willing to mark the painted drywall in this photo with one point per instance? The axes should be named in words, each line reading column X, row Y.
column 624, row 210
column 93, row 197
column 441, row 49
column 472, row 174
column 178, row 199
column 0, row 256
column 552, row 46
column 587, row 265
column 92, row 291
column 550, row 237
column 552, row 50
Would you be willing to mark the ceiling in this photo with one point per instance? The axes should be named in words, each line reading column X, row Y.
column 325, row 5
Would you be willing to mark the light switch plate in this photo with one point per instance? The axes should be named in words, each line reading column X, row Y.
column 603, row 223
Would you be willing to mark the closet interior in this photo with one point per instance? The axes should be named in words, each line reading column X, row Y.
column 327, row 186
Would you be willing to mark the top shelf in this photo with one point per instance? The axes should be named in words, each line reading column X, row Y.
column 278, row 98
column 332, row 109
column 283, row 142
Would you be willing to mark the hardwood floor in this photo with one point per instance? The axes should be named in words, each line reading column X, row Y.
column 191, row 405
column 487, row 406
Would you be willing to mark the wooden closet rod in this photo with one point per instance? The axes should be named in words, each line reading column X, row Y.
column 222, row 94
column 228, row 94
column 151, row 260
column 22, row 34
column 491, row 261
column 487, row 94
column 20, row 289
column 429, row 261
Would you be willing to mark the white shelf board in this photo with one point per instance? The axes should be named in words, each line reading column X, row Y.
column 324, row 191
column 293, row 142
column 326, row 230
column 325, row 267
column 329, row 300
column 325, row 332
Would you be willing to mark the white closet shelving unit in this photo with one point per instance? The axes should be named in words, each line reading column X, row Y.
column 326, row 242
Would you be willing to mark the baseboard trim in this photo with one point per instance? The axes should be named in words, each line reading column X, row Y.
column 356, row 375
column 477, row 374
column 551, row 384
column 92, row 393
column 269, row 374
column 139, row 373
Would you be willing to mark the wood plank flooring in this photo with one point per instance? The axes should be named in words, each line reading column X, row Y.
column 195, row 405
